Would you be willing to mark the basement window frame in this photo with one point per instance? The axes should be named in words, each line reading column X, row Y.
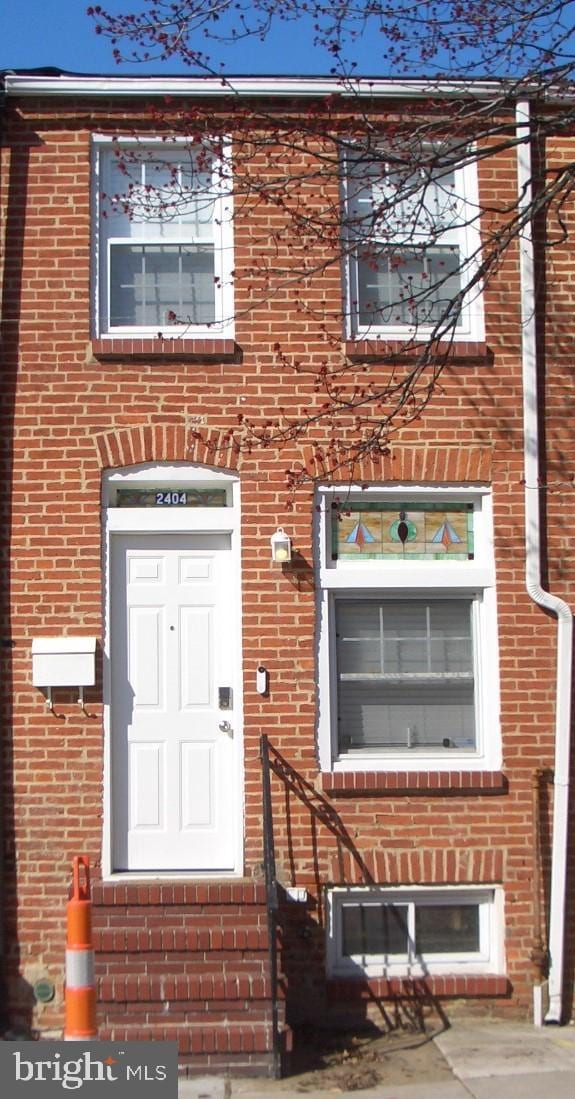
column 489, row 958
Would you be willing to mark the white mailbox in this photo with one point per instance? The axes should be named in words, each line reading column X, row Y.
column 63, row 662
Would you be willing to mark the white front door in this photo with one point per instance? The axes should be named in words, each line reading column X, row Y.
column 175, row 803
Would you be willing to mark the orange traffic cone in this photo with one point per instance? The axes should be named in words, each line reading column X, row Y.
column 80, row 985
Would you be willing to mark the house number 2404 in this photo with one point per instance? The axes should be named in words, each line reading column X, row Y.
column 171, row 497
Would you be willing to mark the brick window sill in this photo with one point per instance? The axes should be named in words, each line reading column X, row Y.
column 398, row 351
column 191, row 350
column 360, row 989
column 397, row 783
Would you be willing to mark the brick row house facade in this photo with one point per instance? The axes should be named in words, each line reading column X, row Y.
column 407, row 654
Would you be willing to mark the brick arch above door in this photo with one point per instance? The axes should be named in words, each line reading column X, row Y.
column 128, row 446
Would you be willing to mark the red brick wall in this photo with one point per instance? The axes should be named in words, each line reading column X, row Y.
column 74, row 413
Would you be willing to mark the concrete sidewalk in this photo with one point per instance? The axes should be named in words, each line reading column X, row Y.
column 487, row 1061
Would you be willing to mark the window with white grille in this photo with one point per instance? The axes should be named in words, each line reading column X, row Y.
column 164, row 243
column 413, row 246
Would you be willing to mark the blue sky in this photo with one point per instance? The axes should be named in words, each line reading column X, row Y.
column 59, row 33
column 41, row 33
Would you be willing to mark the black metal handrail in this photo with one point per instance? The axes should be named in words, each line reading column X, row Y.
column 271, row 897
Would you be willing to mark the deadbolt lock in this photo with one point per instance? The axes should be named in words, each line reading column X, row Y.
column 225, row 698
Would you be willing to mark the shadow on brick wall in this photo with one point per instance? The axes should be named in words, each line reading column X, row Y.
column 301, row 929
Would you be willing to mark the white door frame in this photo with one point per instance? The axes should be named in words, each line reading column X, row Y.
column 170, row 520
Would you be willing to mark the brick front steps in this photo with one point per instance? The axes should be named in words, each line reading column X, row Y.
column 187, row 962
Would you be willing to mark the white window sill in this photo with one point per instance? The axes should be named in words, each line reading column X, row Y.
column 449, row 576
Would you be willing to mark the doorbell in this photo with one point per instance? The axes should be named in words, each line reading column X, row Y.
column 262, row 680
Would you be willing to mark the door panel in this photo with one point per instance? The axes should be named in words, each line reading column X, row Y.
column 145, row 671
column 197, row 781
column 196, row 656
column 146, row 773
column 174, row 790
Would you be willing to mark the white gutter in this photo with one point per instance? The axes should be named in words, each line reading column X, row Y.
column 543, row 598
column 24, row 84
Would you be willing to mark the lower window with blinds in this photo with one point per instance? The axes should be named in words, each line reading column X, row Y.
column 386, row 932
column 406, row 679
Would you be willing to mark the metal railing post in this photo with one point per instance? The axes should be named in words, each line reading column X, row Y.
column 271, row 896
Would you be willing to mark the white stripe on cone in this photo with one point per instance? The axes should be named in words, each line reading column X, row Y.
column 79, row 968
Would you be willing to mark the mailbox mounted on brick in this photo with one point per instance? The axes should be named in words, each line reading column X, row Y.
column 63, row 662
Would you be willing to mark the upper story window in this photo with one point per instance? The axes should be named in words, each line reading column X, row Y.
column 413, row 247
column 164, row 241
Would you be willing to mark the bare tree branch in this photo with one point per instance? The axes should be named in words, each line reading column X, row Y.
column 359, row 190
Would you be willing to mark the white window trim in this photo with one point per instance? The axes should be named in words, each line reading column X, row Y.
column 472, row 579
column 223, row 326
column 472, row 321
column 490, row 958
column 169, row 520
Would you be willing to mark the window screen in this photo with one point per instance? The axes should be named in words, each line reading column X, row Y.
column 405, row 675
column 443, row 929
column 151, row 283
column 412, row 928
column 374, row 929
column 408, row 286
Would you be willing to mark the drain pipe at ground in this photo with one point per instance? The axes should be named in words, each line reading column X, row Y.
column 556, row 936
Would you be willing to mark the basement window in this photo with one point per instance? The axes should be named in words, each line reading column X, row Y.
column 414, row 932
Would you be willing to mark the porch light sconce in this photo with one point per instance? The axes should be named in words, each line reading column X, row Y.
column 281, row 547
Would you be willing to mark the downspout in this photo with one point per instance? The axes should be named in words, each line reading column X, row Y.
column 543, row 598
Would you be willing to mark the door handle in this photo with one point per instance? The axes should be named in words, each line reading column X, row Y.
column 225, row 727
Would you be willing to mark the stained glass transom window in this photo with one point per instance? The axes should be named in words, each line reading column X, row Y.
column 404, row 531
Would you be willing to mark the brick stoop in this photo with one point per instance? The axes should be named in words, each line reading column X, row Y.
column 187, row 962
